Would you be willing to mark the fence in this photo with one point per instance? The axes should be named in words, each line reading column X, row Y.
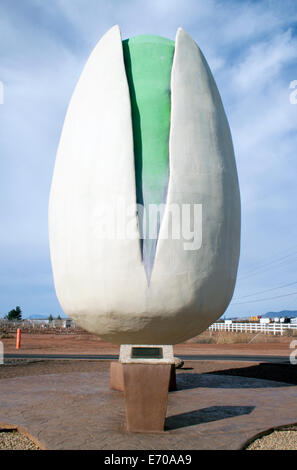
column 265, row 328
column 37, row 325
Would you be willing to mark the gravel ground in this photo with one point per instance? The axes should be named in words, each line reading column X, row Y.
column 277, row 440
column 14, row 440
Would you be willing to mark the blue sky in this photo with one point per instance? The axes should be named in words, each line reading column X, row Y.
column 251, row 47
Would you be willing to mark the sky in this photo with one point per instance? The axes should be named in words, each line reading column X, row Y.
column 251, row 47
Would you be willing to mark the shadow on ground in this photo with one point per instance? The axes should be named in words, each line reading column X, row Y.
column 286, row 373
column 258, row 376
column 205, row 415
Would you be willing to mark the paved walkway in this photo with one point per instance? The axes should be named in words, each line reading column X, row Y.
column 77, row 410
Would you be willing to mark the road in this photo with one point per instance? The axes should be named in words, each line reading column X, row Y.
column 197, row 357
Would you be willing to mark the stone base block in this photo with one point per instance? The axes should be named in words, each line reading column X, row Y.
column 146, row 392
column 117, row 377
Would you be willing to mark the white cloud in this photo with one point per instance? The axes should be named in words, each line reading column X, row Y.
column 264, row 62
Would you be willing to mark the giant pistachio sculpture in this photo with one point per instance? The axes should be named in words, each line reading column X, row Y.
column 145, row 125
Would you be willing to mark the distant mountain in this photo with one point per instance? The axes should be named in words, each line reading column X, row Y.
column 283, row 313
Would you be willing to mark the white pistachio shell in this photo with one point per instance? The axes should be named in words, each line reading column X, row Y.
column 101, row 283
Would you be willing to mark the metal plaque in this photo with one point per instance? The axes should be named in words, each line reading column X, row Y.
column 146, row 353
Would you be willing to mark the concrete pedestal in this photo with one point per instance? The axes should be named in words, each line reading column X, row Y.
column 117, row 377
column 145, row 373
column 146, row 392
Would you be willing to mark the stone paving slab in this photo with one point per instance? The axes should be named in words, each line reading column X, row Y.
column 77, row 410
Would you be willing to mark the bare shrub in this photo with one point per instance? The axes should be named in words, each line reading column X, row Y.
column 232, row 337
column 290, row 333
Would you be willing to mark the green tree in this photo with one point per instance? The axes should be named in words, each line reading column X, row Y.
column 50, row 318
column 59, row 317
column 15, row 314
